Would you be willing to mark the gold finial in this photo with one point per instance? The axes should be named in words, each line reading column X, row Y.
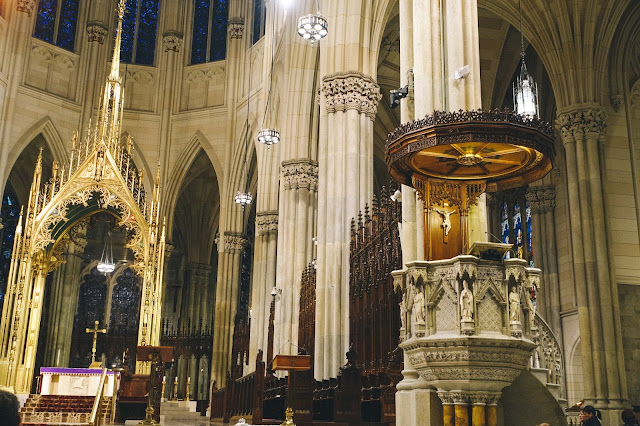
column 129, row 144
column 122, row 5
column 54, row 172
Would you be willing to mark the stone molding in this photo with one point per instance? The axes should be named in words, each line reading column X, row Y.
column 300, row 174
column 235, row 28
column 96, row 31
column 234, row 243
column 266, row 222
column 541, row 199
column 172, row 40
column 585, row 122
column 351, row 90
column 26, row 6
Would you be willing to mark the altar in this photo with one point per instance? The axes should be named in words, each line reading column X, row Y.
column 76, row 381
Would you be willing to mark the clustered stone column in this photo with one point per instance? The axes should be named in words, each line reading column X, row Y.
column 348, row 108
column 542, row 200
column 227, row 293
column 65, row 288
column 195, row 295
column 264, row 272
column 298, row 184
column 598, row 307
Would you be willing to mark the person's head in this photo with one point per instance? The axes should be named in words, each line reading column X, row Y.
column 628, row 417
column 9, row 409
column 587, row 412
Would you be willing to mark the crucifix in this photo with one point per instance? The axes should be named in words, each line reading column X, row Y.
column 446, row 222
column 95, row 330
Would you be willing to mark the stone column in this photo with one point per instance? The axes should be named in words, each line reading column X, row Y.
column 298, row 186
column 348, row 108
column 97, row 33
column 19, row 38
column 64, row 301
column 264, row 273
column 598, row 308
column 194, row 295
column 542, row 200
column 227, row 292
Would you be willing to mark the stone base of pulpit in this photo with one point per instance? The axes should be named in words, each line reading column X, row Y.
column 456, row 366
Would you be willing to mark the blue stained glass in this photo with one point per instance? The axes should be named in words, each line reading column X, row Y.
column 259, row 14
column 147, row 28
column 10, row 212
column 67, row 26
column 128, row 31
column 517, row 230
column 200, row 28
column 219, row 22
column 46, row 20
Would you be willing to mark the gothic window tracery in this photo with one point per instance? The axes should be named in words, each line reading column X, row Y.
column 56, row 22
column 125, row 304
column 139, row 32
column 209, row 41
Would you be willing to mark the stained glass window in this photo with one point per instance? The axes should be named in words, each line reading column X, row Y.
column 515, row 226
column 139, row 32
column 92, row 301
column 10, row 213
column 209, row 41
column 56, row 22
column 125, row 304
column 259, row 16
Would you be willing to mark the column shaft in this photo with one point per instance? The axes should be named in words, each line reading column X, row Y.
column 462, row 414
column 478, row 415
column 448, row 414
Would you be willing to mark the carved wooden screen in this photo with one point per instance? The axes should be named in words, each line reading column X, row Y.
column 307, row 317
column 374, row 313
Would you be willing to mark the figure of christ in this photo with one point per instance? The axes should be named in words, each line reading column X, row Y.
column 446, row 219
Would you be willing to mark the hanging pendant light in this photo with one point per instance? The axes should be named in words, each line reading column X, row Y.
column 313, row 26
column 525, row 90
column 243, row 198
column 269, row 136
column 106, row 264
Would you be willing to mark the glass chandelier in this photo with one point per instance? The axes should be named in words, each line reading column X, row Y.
column 243, row 198
column 313, row 26
column 106, row 264
column 525, row 90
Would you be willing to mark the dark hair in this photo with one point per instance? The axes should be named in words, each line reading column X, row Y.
column 589, row 409
column 9, row 408
column 628, row 417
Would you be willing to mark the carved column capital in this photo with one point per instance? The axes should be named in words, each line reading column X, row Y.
column 235, row 28
column 26, row 6
column 541, row 198
column 234, row 243
column 300, row 174
column 576, row 124
column 351, row 90
column 172, row 40
column 96, row 31
column 266, row 222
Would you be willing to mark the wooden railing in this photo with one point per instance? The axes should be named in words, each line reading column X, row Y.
column 94, row 420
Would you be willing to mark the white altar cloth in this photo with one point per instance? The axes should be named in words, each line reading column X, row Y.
column 75, row 381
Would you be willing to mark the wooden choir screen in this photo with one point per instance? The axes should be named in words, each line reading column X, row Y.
column 306, row 321
column 374, row 312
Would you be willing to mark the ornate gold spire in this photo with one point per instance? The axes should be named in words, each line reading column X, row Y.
column 110, row 112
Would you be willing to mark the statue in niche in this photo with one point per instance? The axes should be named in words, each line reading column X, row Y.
column 403, row 311
column 466, row 302
column 410, row 293
column 514, row 305
column 418, row 307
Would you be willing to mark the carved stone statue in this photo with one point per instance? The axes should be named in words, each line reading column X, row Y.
column 446, row 219
column 418, row 307
column 466, row 302
column 403, row 311
column 514, row 305
column 409, row 300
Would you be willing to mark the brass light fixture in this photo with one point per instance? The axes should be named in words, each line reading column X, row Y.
column 313, row 26
column 525, row 90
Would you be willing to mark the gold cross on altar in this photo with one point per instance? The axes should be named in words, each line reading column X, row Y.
column 95, row 330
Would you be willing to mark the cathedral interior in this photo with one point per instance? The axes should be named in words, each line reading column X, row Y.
column 440, row 196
